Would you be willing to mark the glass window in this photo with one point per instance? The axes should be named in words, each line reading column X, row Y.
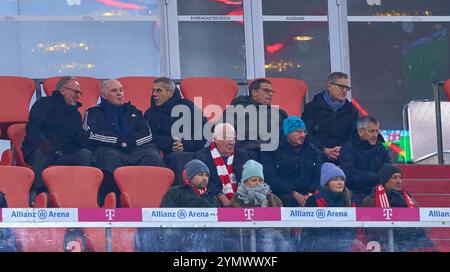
column 394, row 63
column 299, row 50
column 215, row 7
column 398, row 7
column 295, row 7
column 53, row 42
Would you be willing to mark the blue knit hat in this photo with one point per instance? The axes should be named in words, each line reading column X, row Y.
column 195, row 167
column 293, row 123
column 252, row 169
column 330, row 171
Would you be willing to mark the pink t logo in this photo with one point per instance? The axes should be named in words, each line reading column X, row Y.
column 110, row 213
column 249, row 213
column 387, row 213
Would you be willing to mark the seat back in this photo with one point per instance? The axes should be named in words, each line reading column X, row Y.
column 212, row 90
column 289, row 94
column 90, row 87
column 15, row 93
column 447, row 88
column 16, row 133
column 15, row 183
column 6, row 157
column 73, row 186
column 138, row 90
column 143, row 186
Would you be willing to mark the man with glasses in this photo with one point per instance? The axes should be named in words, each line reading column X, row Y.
column 293, row 170
column 54, row 134
column 225, row 162
column 330, row 117
column 260, row 96
column 178, row 150
column 362, row 156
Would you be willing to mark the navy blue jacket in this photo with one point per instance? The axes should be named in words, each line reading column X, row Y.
column 361, row 162
column 51, row 119
column 327, row 128
column 289, row 168
column 101, row 133
column 160, row 121
column 241, row 156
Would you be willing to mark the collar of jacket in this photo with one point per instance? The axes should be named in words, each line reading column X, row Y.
column 169, row 104
column 105, row 103
column 57, row 95
column 322, row 104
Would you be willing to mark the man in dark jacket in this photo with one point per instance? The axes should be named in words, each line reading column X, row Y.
column 53, row 132
column 246, row 114
column 293, row 170
column 224, row 161
column 179, row 148
column 330, row 117
column 362, row 156
column 118, row 133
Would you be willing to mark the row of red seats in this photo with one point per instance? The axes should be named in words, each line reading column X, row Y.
column 78, row 186
column 16, row 93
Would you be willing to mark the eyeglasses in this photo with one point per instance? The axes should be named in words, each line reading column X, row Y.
column 267, row 90
column 342, row 87
column 77, row 92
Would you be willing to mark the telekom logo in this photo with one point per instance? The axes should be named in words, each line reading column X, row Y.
column 110, row 214
column 387, row 213
column 249, row 213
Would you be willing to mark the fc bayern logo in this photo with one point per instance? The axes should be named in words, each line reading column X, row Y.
column 181, row 214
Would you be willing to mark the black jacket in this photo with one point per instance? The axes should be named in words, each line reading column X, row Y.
column 51, row 119
column 327, row 128
column 291, row 169
column 361, row 162
column 160, row 121
column 241, row 156
column 183, row 196
column 100, row 133
column 245, row 101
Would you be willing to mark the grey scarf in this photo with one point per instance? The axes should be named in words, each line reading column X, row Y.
column 256, row 196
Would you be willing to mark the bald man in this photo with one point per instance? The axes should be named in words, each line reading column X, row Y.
column 118, row 132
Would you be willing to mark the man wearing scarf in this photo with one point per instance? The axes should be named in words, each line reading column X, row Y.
column 178, row 150
column 118, row 133
column 225, row 162
column 389, row 193
column 330, row 117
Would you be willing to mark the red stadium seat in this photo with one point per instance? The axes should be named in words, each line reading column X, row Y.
column 216, row 91
column 16, row 182
column 75, row 187
column 6, row 157
column 142, row 186
column 90, row 87
column 138, row 90
column 16, row 93
column 288, row 94
column 447, row 88
column 16, row 133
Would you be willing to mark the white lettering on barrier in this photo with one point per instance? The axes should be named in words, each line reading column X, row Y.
column 311, row 214
column 179, row 214
column 434, row 214
column 39, row 215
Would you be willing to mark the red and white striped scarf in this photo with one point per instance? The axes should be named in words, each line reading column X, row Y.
column 382, row 201
column 198, row 192
column 225, row 172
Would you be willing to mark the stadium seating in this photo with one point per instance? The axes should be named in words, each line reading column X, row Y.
column 6, row 157
column 16, row 133
column 16, row 93
column 216, row 91
column 429, row 185
column 138, row 90
column 289, row 94
column 90, row 87
column 447, row 88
